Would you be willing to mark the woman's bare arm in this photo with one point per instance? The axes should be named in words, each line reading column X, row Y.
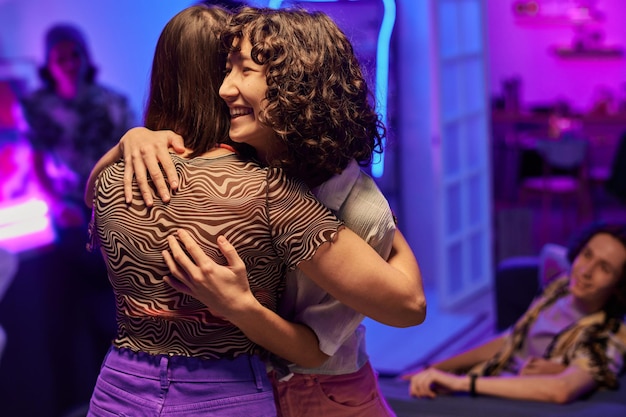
column 403, row 259
column 354, row 273
column 348, row 269
column 113, row 155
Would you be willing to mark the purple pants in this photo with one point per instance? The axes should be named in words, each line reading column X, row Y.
column 142, row 385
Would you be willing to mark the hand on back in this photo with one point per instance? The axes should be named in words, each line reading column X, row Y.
column 225, row 290
column 147, row 154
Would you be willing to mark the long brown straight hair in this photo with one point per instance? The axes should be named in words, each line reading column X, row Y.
column 187, row 71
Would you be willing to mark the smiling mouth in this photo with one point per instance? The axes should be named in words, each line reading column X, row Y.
column 239, row 111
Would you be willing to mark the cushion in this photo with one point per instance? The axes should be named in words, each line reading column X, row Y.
column 552, row 263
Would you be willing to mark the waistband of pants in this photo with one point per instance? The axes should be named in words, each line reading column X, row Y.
column 183, row 368
column 365, row 370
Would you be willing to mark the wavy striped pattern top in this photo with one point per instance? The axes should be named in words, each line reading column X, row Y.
column 273, row 222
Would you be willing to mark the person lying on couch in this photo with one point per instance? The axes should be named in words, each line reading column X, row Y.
column 569, row 342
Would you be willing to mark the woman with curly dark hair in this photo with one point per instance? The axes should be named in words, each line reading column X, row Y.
column 570, row 342
column 317, row 100
column 297, row 95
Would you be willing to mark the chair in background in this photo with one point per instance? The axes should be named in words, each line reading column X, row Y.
column 563, row 180
column 552, row 263
column 513, row 291
column 520, row 279
column 601, row 157
column 513, row 229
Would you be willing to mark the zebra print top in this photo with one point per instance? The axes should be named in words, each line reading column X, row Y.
column 274, row 223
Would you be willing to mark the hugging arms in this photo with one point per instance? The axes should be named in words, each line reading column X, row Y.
column 394, row 302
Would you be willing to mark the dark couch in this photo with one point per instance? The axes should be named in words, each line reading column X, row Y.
column 517, row 281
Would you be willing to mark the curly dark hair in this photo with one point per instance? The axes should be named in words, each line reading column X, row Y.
column 187, row 71
column 318, row 101
column 616, row 306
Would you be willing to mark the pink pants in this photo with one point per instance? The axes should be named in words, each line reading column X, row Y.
column 350, row 395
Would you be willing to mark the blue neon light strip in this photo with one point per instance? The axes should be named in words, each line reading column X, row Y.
column 275, row 4
column 382, row 74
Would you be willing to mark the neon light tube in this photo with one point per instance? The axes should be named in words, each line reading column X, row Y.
column 382, row 74
column 21, row 212
column 24, row 228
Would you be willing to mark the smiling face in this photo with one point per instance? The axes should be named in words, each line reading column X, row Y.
column 244, row 89
column 596, row 271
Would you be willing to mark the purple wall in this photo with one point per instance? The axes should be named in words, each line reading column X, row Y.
column 523, row 48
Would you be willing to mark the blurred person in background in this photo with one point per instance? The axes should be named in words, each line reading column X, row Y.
column 72, row 120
